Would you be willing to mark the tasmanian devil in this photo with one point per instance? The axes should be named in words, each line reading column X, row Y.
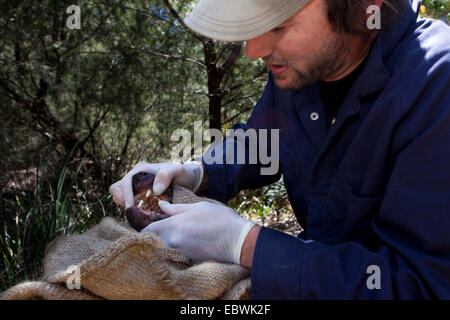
column 146, row 208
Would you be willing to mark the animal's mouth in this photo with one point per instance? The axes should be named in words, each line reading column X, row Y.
column 141, row 199
column 146, row 209
column 146, row 212
column 147, row 202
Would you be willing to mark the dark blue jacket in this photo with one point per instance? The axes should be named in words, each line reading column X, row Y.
column 373, row 190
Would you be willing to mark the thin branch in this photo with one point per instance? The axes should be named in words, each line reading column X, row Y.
column 207, row 94
column 148, row 51
column 168, row 56
column 231, row 59
column 100, row 52
column 145, row 13
column 181, row 21
column 224, row 50
column 95, row 126
column 125, row 147
column 238, row 99
column 244, row 84
column 236, row 115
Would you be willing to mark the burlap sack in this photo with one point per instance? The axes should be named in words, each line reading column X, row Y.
column 113, row 261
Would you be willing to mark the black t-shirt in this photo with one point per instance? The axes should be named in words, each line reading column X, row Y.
column 334, row 93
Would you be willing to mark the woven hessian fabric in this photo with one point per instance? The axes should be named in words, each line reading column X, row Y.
column 114, row 261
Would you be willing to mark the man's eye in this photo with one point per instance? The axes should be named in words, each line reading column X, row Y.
column 278, row 29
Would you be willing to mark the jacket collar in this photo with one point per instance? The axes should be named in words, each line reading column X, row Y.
column 372, row 79
column 377, row 71
column 375, row 74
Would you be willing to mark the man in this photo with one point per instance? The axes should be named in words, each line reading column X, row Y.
column 364, row 120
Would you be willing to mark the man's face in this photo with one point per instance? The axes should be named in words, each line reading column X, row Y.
column 304, row 49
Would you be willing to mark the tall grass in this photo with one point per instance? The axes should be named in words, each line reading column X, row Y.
column 59, row 202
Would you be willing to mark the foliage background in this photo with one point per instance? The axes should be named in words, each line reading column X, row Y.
column 80, row 107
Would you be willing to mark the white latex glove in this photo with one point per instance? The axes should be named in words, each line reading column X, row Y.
column 189, row 175
column 203, row 231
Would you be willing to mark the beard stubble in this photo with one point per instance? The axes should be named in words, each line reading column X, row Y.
column 329, row 59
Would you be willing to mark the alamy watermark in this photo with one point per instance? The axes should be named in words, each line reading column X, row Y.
column 374, row 280
column 251, row 146
column 74, row 280
column 374, row 20
column 74, row 20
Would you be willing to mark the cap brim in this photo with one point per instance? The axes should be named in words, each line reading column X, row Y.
column 240, row 20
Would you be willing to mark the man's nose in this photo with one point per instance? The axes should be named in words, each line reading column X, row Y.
column 258, row 47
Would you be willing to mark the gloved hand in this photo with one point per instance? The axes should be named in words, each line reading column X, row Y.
column 189, row 175
column 203, row 231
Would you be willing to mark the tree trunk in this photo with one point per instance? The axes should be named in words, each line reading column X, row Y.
column 216, row 75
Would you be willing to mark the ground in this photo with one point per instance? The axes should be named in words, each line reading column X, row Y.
column 285, row 222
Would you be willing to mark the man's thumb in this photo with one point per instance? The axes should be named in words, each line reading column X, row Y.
column 162, row 181
column 173, row 209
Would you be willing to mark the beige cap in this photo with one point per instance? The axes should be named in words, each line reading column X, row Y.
column 240, row 20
